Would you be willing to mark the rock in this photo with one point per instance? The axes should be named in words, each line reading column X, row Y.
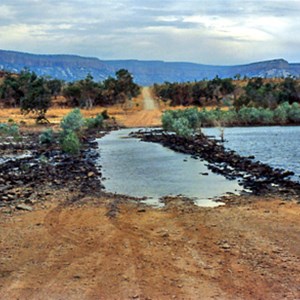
column 91, row 174
column 165, row 235
column 141, row 210
column 24, row 207
column 10, row 197
column 225, row 246
column 4, row 188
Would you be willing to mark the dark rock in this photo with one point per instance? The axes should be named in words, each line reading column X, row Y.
column 24, row 207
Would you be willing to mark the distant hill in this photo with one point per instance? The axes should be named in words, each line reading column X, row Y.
column 72, row 67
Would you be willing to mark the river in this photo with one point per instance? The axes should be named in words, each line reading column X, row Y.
column 139, row 169
column 277, row 146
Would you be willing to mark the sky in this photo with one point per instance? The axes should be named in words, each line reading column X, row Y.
column 218, row 32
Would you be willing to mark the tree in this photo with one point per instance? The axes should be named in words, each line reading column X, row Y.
column 55, row 86
column 125, row 84
column 288, row 91
column 89, row 91
column 10, row 91
column 37, row 98
column 73, row 93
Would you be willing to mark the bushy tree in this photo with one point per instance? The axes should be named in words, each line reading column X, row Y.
column 37, row 99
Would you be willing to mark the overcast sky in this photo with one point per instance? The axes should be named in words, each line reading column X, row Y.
column 203, row 31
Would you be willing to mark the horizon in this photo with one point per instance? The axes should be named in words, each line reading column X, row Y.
column 146, row 60
column 219, row 32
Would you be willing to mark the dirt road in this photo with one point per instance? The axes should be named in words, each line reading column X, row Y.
column 149, row 102
column 150, row 114
column 75, row 251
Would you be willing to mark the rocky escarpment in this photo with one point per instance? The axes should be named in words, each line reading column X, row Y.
column 72, row 67
column 255, row 176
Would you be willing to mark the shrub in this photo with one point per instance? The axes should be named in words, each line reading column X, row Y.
column 10, row 130
column 206, row 117
column 3, row 129
column 181, row 127
column 294, row 113
column 230, row 117
column 167, row 120
column 46, row 137
column 72, row 122
column 192, row 117
column 14, row 131
column 96, row 122
column 265, row 116
column 280, row 115
column 70, row 143
column 182, row 122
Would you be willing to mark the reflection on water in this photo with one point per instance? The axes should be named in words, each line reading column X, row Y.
column 276, row 146
column 139, row 169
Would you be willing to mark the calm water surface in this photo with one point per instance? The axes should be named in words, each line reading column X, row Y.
column 139, row 169
column 277, row 146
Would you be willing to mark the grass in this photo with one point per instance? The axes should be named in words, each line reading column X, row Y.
column 55, row 114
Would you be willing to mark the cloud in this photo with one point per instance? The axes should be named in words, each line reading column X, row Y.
column 215, row 32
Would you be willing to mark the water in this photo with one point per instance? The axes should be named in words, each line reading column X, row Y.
column 139, row 169
column 276, row 146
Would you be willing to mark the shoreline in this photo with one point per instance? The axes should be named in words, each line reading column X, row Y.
column 260, row 178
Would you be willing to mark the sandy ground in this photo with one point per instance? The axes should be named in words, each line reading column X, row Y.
column 142, row 111
column 61, row 251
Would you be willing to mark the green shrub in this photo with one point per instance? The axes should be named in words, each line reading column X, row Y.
column 167, row 120
column 4, row 128
column 192, row 117
column 10, row 130
column 181, row 127
column 230, row 117
column 294, row 113
column 206, row 117
column 182, row 122
column 70, row 143
column 265, row 116
column 96, row 122
column 14, row 131
column 280, row 115
column 46, row 137
column 72, row 122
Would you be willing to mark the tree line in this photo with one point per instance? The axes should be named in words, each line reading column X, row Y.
column 33, row 93
column 255, row 92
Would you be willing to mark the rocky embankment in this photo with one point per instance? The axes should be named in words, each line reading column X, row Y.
column 255, row 176
column 30, row 171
